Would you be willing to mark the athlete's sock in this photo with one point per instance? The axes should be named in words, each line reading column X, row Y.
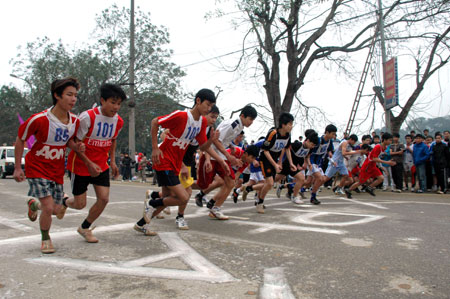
column 260, row 201
column 86, row 224
column 313, row 195
column 238, row 190
column 64, row 201
column 202, row 193
column 141, row 222
column 34, row 206
column 211, row 204
column 45, row 235
column 156, row 202
column 249, row 188
column 302, row 189
column 154, row 195
column 180, row 215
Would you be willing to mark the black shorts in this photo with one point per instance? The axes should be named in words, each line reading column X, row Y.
column 167, row 178
column 267, row 168
column 80, row 183
column 286, row 170
column 245, row 177
column 194, row 172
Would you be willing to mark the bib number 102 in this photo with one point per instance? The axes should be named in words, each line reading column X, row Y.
column 104, row 129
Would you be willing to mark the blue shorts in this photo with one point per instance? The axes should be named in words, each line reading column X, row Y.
column 40, row 188
column 331, row 170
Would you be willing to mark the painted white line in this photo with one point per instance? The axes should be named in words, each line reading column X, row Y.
column 264, row 227
column 275, row 285
column 203, row 270
column 69, row 233
column 238, row 218
column 307, row 218
column 364, row 203
column 13, row 224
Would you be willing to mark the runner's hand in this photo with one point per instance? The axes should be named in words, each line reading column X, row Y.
column 156, row 153
column 184, row 172
column 293, row 167
column 19, row 175
column 94, row 170
column 225, row 167
column 208, row 166
column 278, row 168
column 114, row 170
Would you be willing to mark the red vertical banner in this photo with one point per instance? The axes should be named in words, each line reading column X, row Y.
column 391, row 83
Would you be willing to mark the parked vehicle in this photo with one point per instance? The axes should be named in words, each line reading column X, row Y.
column 7, row 160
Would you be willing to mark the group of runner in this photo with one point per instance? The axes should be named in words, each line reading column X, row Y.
column 92, row 139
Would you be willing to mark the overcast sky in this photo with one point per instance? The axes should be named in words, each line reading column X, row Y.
column 193, row 40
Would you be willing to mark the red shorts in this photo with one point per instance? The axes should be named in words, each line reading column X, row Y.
column 369, row 172
column 206, row 178
column 355, row 172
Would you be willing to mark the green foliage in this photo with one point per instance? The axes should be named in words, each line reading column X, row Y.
column 12, row 101
column 157, row 80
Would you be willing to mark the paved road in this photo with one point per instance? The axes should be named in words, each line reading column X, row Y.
column 391, row 246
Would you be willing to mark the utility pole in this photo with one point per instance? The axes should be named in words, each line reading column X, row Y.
column 131, row 103
column 383, row 58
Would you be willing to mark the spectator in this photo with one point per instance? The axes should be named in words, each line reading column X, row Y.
column 421, row 153
column 447, row 136
column 440, row 156
column 426, row 133
column 413, row 135
column 397, row 150
column 408, row 162
column 375, row 140
column 387, row 170
column 126, row 167
column 142, row 165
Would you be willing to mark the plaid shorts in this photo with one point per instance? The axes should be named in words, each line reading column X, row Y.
column 40, row 188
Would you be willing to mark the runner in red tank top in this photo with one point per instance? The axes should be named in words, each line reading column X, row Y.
column 44, row 163
column 98, row 131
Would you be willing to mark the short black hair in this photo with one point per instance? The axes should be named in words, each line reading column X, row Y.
column 437, row 134
column 242, row 133
column 420, row 136
column 386, row 136
column 365, row 146
column 252, row 150
column 353, row 137
column 376, row 136
column 285, row 118
column 59, row 85
column 214, row 109
column 429, row 136
column 396, row 135
column 426, row 130
column 366, row 137
column 407, row 135
column 313, row 137
column 249, row 111
column 330, row 129
column 205, row 95
column 412, row 131
column 114, row 91
column 309, row 131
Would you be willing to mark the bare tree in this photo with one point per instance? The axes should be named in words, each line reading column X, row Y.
column 292, row 36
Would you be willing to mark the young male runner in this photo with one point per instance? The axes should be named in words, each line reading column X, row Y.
column 370, row 170
column 184, row 126
column 53, row 128
column 315, row 172
column 275, row 144
column 99, row 128
column 337, row 163
column 299, row 151
column 228, row 131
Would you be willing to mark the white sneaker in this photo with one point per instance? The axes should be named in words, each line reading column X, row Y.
column 260, row 208
column 279, row 190
column 216, row 213
column 145, row 230
column 384, row 188
column 181, row 223
column 297, row 200
column 148, row 209
column 339, row 191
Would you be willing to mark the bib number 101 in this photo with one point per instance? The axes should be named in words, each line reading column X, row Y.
column 105, row 129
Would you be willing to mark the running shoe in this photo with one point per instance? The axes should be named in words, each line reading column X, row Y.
column 314, row 201
column 198, row 200
column 32, row 215
column 47, row 247
column 302, row 195
column 348, row 193
column 145, row 230
column 339, row 191
column 62, row 210
column 235, row 195
column 260, row 208
column 216, row 213
column 167, row 210
column 370, row 190
column 244, row 194
column 148, row 209
column 297, row 200
column 181, row 223
column 279, row 190
column 86, row 233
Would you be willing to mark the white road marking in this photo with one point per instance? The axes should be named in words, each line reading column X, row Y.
column 307, row 218
column 203, row 270
column 275, row 285
column 13, row 224
column 364, row 203
column 265, row 227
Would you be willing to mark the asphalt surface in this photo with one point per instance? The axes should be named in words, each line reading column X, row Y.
column 388, row 246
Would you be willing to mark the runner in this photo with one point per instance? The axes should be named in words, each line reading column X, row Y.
column 228, row 131
column 274, row 146
column 370, row 169
column 53, row 129
column 99, row 128
column 184, row 126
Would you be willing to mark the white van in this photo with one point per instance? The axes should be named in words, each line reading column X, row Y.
column 7, row 160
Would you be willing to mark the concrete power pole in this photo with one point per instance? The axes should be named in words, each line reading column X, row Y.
column 383, row 57
column 131, row 103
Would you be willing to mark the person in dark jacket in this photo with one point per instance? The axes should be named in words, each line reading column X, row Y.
column 421, row 153
column 440, row 157
column 126, row 167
